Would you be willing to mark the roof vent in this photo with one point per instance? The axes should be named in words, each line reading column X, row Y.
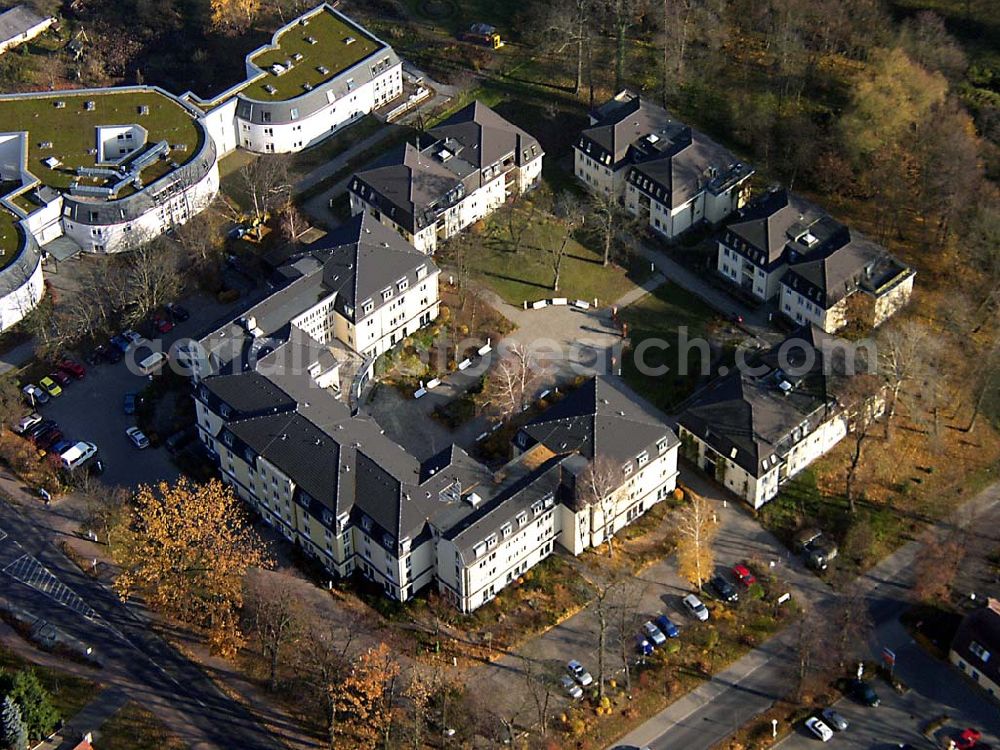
column 284, row 436
column 319, row 442
column 473, row 499
column 310, row 40
column 60, row 104
column 621, row 413
column 350, row 40
column 90, row 105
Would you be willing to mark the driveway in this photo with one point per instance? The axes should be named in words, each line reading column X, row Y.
column 91, row 409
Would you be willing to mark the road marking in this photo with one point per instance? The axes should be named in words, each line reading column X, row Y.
column 30, row 572
column 3, row 535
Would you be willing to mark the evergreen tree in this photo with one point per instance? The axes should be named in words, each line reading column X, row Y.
column 39, row 715
column 12, row 733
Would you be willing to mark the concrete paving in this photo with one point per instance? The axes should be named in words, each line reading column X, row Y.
column 87, row 721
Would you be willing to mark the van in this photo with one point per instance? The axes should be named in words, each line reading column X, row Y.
column 152, row 363
column 77, row 455
column 803, row 539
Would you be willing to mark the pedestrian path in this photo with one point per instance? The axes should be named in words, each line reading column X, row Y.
column 89, row 719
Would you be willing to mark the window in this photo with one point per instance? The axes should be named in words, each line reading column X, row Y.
column 979, row 651
column 367, row 307
column 265, row 116
column 386, row 294
column 643, row 458
column 227, row 438
column 366, row 523
column 506, row 530
column 294, row 114
column 661, row 446
column 627, row 468
column 402, row 284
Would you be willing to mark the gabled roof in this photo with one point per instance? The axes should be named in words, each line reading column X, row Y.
column 362, row 258
column 982, row 627
column 415, row 181
column 858, row 263
column 249, row 393
column 752, row 419
column 771, row 223
column 599, row 418
column 17, row 21
column 624, row 125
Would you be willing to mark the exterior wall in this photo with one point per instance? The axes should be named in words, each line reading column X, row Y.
column 220, row 123
column 472, row 583
column 290, row 137
column 597, row 177
column 27, row 35
column 45, row 223
column 796, row 307
column 741, row 272
column 963, row 663
column 759, row 490
column 20, row 301
column 112, row 238
column 719, row 206
column 529, row 175
column 891, row 301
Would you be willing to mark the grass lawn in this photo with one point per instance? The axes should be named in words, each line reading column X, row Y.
column 69, row 693
column 328, row 50
column 661, row 314
column 300, row 164
column 134, row 727
column 10, row 238
column 71, row 129
column 527, row 274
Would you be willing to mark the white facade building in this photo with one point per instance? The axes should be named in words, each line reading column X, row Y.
column 19, row 25
column 468, row 167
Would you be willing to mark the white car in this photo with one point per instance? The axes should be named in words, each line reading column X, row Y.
column 815, row 725
column 580, row 674
column 695, row 606
column 571, row 689
column 654, row 633
column 34, row 394
column 139, row 440
column 133, row 337
column 27, row 423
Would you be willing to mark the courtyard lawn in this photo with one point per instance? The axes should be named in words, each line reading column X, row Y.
column 664, row 314
column 528, row 274
column 68, row 692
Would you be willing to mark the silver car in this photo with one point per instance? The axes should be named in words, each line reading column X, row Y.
column 654, row 633
column 695, row 606
column 580, row 674
column 834, row 720
column 570, row 687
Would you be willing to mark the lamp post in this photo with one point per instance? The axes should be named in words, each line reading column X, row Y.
column 774, row 729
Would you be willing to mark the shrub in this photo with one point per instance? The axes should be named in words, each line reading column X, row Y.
column 228, row 296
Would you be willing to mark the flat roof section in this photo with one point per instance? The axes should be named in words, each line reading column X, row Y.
column 328, row 49
column 10, row 238
column 71, row 128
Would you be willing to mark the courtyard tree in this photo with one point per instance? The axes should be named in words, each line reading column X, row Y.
column 937, row 564
column 572, row 215
column 600, row 490
column 186, row 549
column 151, row 277
column 901, row 363
column 266, row 185
column 696, row 529
column 13, row 734
column 608, row 216
column 508, row 385
column 272, row 614
column 364, row 698
column 865, row 402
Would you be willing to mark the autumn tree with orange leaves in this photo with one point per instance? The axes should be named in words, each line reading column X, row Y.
column 364, row 700
column 186, row 548
column 234, row 15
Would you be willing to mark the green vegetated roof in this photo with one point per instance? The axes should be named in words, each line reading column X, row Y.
column 330, row 51
column 10, row 240
column 72, row 129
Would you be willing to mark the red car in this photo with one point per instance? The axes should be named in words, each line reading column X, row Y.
column 162, row 324
column 968, row 739
column 72, row 367
column 744, row 576
column 61, row 377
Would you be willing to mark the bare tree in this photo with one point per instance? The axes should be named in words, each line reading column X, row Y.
column 273, row 614
column 901, row 362
column 509, row 383
column 325, row 664
column 518, row 216
column 696, row 528
column 865, row 403
column 622, row 14
column 265, row 180
column 202, row 238
column 151, row 277
column 11, row 400
column 600, row 490
column 568, row 23
column 851, row 626
column 418, row 692
column 607, row 214
column 292, row 224
column 625, row 607
column 571, row 213
column 539, row 687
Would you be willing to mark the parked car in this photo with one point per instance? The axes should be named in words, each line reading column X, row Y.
column 571, row 689
column 968, row 739
column 820, row 553
column 133, row 337
column 38, row 428
column 47, row 441
column 112, row 354
column 120, row 343
column 579, row 674
column 804, row 538
column 96, row 355
column 77, row 455
column 695, row 606
column 815, row 725
column 161, row 323
column 39, row 437
column 835, row 720
column 131, row 402
column 152, row 363
column 73, row 368
column 138, row 438
column 62, row 378
column 668, row 626
column 27, row 422
column 743, row 574
column 643, row 646
column 653, row 633
column 724, row 589
column 58, row 447
column 179, row 439
column 862, row 692
column 34, row 394
column 51, row 387
column 178, row 313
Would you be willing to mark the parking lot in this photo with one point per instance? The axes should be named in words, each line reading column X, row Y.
column 92, row 409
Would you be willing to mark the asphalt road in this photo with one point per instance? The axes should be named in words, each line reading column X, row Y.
column 733, row 697
column 119, row 635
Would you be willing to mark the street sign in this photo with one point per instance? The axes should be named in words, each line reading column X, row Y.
column 889, row 656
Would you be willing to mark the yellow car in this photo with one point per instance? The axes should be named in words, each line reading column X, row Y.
column 51, row 386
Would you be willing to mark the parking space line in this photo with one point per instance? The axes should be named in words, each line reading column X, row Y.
column 30, row 572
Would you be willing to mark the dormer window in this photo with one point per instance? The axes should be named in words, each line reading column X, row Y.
column 248, row 455
column 627, row 468
column 227, row 438
column 402, row 284
column 367, row 307
column 386, row 295
column 506, row 530
column 225, row 411
column 661, row 446
column 366, row 523
column 642, row 459
column 491, row 541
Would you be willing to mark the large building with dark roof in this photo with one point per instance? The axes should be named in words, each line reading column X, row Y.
column 331, row 481
column 975, row 649
column 667, row 174
column 820, row 271
column 757, row 426
column 460, row 172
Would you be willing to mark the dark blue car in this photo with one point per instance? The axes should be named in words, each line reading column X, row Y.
column 120, row 343
column 643, row 646
column 665, row 624
column 131, row 402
